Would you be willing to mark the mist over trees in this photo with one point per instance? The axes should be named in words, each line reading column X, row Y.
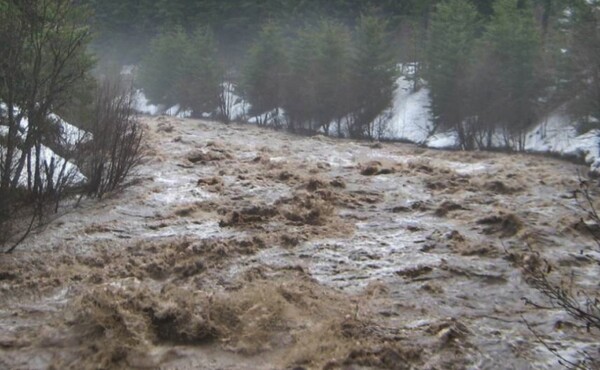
column 328, row 75
column 266, row 68
column 483, row 75
column 450, row 52
column 125, row 28
column 582, row 49
column 181, row 68
column 493, row 68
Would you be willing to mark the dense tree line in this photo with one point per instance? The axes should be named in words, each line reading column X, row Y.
column 125, row 28
column 324, row 74
column 482, row 74
column 304, row 78
column 493, row 67
column 497, row 76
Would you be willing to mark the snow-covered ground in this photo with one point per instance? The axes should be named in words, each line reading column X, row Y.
column 68, row 137
column 143, row 105
column 556, row 134
column 411, row 119
column 238, row 108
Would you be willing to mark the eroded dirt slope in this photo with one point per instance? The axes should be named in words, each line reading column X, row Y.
column 240, row 248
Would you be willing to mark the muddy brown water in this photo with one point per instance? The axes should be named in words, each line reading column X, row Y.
column 242, row 248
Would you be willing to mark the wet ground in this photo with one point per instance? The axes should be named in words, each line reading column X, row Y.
column 242, row 248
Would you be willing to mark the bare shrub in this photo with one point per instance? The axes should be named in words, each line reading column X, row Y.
column 560, row 289
column 116, row 146
column 44, row 61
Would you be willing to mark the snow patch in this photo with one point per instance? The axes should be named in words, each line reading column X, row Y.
column 238, row 107
column 558, row 134
column 176, row 111
column 442, row 140
column 55, row 165
column 411, row 118
column 271, row 118
column 143, row 105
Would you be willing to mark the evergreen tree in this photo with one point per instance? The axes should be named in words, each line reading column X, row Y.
column 373, row 75
column 512, row 44
column 452, row 37
column 201, row 75
column 300, row 99
column 583, row 61
column 318, row 85
column 264, row 72
column 183, row 70
column 332, row 74
column 161, row 68
column 124, row 28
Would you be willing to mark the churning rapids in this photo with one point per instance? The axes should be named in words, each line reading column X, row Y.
column 242, row 248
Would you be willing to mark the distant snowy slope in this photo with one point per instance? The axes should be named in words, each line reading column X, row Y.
column 557, row 134
column 411, row 119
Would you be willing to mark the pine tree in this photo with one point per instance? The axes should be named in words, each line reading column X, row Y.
column 512, row 44
column 317, row 89
column 583, row 56
column 201, row 75
column 264, row 72
column 332, row 74
column 161, row 67
column 452, row 37
column 300, row 98
column 373, row 74
column 183, row 70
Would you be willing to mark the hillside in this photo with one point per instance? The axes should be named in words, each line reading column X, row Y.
column 243, row 248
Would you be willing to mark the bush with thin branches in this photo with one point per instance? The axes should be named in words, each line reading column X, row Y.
column 116, row 147
column 560, row 289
